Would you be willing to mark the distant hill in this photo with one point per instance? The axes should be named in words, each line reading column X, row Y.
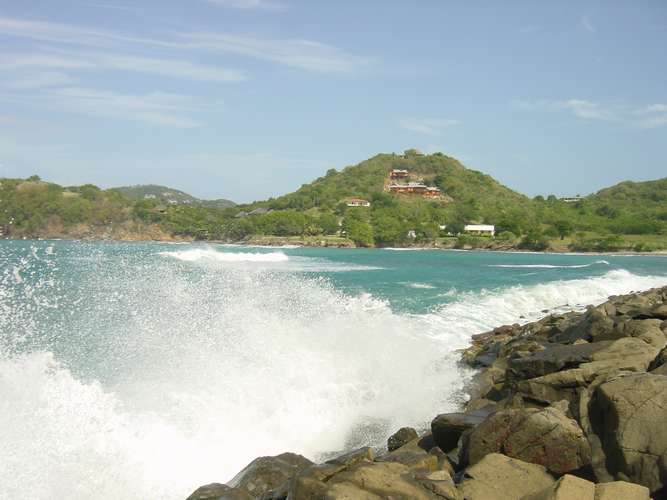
column 459, row 185
column 169, row 195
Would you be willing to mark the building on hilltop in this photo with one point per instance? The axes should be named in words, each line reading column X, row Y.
column 415, row 188
column 357, row 202
column 397, row 173
column 480, row 229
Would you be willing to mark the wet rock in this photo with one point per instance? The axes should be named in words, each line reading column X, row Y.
column 267, row 473
column 401, row 437
column 353, row 457
column 554, row 358
column 628, row 414
column 498, row 477
column 566, row 488
column 546, row 437
column 448, row 427
column 216, row 491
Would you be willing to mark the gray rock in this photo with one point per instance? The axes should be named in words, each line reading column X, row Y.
column 629, row 413
column 448, row 427
column 267, row 473
column 217, row 491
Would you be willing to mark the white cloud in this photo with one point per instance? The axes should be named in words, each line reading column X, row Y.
column 120, row 62
column 41, row 80
column 303, row 54
column 587, row 24
column 155, row 108
column 586, row 109
column 650, row 116
column 427, row 126
column 248, row 4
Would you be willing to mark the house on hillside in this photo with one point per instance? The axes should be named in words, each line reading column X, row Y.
column 415, row 188
column 572, row 199
column 480, row 229
column 397, row 173
column 357, row 202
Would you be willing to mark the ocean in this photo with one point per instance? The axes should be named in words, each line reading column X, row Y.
column 144, row 370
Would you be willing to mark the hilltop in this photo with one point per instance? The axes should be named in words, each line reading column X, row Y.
column 390, row 199
column 169, row 195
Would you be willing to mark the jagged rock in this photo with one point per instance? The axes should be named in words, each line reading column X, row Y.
column 628, row 413
column 541, row 436
column 217, row 491
column 498, row 477
column 441, row 484
column 267, row 473
column 566, row 488
column 626, row 354
column 554, row 358
column 621, row 490
column 403, row 436
column 448, row 427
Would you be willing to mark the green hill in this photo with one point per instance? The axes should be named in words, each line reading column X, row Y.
column 629, row 216
column 168, row 195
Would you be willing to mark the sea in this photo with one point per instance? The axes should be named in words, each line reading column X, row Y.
column 144, row 370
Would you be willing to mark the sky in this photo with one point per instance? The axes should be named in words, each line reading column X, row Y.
column 246, row 99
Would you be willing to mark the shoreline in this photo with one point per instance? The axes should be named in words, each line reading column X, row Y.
column 562, row 404
column 286, row 244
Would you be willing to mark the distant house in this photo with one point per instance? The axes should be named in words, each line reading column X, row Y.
column 357, row 202
column 572, row 199
column 398, row 174
column 480, row 229
column 415, row 188
column 149, row 197
column 412, row 234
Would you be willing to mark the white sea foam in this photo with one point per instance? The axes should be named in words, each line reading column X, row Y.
column 551, row 266
column 211, row 255
column 420, row 286
column 159, row 380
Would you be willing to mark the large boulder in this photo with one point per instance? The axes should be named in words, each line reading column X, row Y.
column 621, row 490
column 541, row 436
column 217, row 491
column 498, row 477
column 448, row 427
column 267, row 473
column 628, row 414
column 566, row 488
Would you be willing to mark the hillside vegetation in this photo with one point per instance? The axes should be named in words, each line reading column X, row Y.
column 168, row 195
column 630, row 215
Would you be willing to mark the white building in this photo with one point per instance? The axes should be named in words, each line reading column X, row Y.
column 357, row 202
column 480, row 229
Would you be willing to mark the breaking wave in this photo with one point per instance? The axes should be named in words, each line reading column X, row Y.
column 145, row 379
column 550, row 266
column 208, row 254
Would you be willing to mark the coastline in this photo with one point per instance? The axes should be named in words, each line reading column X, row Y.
column 294, row 242
column 546, row 415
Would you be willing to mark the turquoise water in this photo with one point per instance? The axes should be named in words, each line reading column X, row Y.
column 142, row 370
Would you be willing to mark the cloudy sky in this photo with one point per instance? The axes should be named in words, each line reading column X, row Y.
column 245, row 99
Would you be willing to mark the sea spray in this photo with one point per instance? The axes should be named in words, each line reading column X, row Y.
column 129, row 374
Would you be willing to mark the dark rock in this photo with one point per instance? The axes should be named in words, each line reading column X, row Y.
column 448, row 427
column 554, row 358
column 267, row 473
column 403, row 436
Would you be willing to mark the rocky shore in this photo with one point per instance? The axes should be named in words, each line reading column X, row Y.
column 571, row 407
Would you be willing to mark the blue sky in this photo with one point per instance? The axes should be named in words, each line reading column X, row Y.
column 246, row 99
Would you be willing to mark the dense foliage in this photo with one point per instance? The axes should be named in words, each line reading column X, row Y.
column 599, row 222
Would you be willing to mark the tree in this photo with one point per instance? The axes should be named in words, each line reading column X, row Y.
column 563, row 227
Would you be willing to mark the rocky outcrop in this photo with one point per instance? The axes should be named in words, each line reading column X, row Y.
column 540, row 436
column 572, row 406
